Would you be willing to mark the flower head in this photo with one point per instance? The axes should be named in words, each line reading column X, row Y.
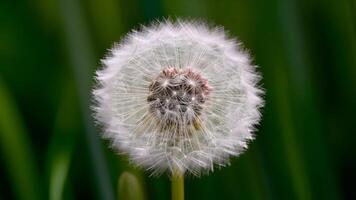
column 178, row 97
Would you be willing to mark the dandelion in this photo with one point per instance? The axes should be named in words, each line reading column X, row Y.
column 178, row 97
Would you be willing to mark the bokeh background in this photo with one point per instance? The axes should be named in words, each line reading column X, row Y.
column 305, row 147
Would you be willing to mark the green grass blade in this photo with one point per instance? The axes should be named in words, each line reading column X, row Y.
column 65, row 132
column 82, row 60
column 16, row 150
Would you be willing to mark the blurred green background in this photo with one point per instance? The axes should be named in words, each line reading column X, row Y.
column 306, row 49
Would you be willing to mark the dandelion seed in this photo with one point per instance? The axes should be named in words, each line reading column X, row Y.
column 178, row 97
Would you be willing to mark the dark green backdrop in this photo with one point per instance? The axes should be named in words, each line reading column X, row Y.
column 304, row 149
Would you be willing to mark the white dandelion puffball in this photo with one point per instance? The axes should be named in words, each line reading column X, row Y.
column 178, row 97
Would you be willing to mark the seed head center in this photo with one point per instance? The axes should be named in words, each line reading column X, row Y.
column 176, row 96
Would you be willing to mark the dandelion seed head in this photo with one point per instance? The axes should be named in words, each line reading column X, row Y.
column 178, row 97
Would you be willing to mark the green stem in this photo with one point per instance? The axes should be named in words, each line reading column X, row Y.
column 177, row 186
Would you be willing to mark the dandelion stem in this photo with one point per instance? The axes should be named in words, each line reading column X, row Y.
column 177, row 186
